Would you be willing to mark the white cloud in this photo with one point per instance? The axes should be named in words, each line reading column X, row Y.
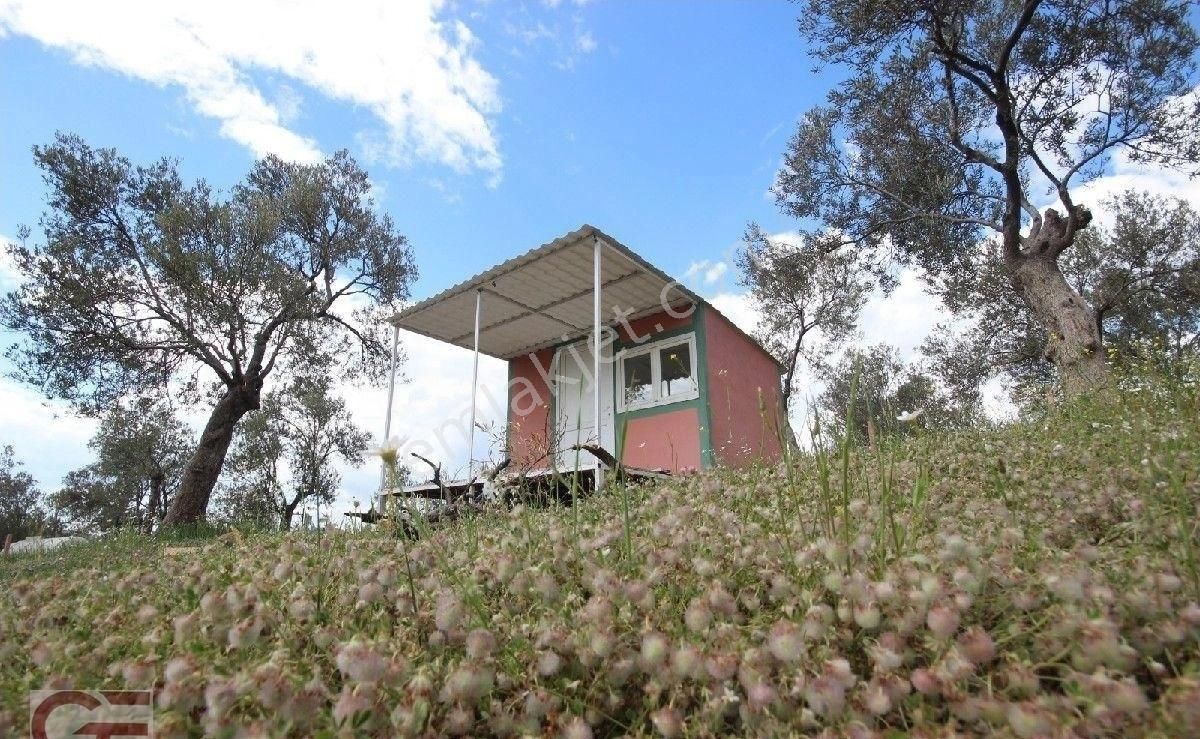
column 45, row 436
column 529, row 34
column 715, row 272
column 706, row 271
column 739, row 308
column 449, row 193
column 902, row 319
column 567, row 38
column 415, row 72
column 585, row 43
column 1128, row 175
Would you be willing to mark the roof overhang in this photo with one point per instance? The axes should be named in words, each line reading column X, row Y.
column 544, row 297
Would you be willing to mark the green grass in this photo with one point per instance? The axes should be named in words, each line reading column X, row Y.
column 119, row 547
column 1029, row 580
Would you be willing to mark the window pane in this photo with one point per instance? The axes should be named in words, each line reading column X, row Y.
column 675, row 363
column 637, row 379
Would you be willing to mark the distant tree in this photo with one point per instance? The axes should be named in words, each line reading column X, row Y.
column 957, row 119
column 141, row 449
column 21, row 511
column 959, row 370
column 286, row 452
column 808, row 296
column 890, row 398
column 1141, row 274
column 142, row 278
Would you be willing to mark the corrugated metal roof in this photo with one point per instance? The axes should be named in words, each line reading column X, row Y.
column 544, row 297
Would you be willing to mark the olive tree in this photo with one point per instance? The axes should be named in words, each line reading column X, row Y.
column 286, row 452
column 1140, row 272
column 141, row 449
column 21, row 511
column 808, row 296
column 870, row 393
column 142, row 278
column 964, row 127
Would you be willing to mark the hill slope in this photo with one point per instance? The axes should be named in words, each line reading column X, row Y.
column 1027, row 580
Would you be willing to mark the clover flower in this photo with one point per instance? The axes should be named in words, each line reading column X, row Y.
column 942, row 620
column 449, row 612
column 667, row 722
column 480, row 644
column 698, row 615
column 361, row 662
column 786, row 642
column 654, row 651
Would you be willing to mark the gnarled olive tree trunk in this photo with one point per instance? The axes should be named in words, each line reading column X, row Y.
column 1073, row 341
column 158, row 484
column 202, row 470
column 287, row 513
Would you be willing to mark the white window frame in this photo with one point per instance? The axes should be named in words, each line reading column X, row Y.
column 656, row 373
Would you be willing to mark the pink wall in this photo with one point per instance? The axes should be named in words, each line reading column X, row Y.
column 739, row 373
column 738, row 370
column 668, row 440
column 529, row 409
column 648, row 327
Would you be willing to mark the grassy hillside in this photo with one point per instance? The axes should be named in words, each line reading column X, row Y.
column 1029, row 580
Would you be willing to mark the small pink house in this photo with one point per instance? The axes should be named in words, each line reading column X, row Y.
column 680, row 386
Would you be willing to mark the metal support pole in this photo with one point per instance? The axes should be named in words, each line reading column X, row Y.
column 474, row 390
column 387, row 420
column 596, row 353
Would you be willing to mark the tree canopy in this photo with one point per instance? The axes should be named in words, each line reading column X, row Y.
column 808, row 296
column 871, row 393
column 143, row 280
column 963, row 128
column 141, row 449
column 22, row 513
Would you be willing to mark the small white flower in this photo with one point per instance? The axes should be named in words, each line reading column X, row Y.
column 388, row 447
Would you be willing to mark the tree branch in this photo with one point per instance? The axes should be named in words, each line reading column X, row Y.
column 1014, row 37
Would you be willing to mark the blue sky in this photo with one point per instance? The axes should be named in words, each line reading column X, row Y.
column 488, row 127
column 660, row 123
column 666, row 134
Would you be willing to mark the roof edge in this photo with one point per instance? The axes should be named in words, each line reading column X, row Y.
column 584, row 231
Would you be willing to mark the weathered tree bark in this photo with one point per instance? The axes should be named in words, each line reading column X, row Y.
column 157, row 483
column 203, row 469
column 286, row 515
column 793, row 360
column 1073, row 341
